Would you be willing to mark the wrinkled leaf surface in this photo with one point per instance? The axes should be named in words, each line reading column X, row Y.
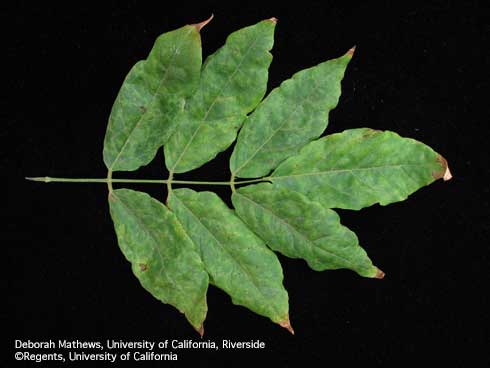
column 162, row 256
column 292, row 115
column 299, row 228
column 154, row 91
column 233, row 81
column 237, row 261
column 360, row 167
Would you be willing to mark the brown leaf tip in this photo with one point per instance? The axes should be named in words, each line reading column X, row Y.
column 444, row 173
column 201, row 25
column 200, row 331
column 273, row 20
column 351, row 51
column 447, row 175
column 379, row 274
column 287, row 325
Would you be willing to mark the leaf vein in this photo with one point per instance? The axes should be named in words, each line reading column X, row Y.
column 236, row 261
column 340, row 171
column 286, row 121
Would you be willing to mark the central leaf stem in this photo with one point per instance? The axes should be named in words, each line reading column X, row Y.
column 109, row 180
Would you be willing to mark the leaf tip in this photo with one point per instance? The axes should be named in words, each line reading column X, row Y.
column 201, row 25
column 351, row 51
column 273, row 20
column 200, row 330
column 44, row 179
column 447, row 175
column 287, row 325
column 444, row 173
column 379, row 274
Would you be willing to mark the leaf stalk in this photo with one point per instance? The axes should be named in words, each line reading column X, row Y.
column 109, row 180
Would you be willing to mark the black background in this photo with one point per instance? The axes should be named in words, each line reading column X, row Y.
column 418, row 70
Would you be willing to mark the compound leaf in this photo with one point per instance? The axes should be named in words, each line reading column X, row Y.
column 196, row 111
column 360, row 167
column 162, row 256
column 237, row 261
column 233, row 81
column 154, row 91
column 295, row 226
column 291, row 115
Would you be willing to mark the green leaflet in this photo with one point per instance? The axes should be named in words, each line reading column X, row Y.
column 233, row 81
column 154, row 91
column 162, row 256
column 300, row 228
column 360, row 167
column 235, row 258
column 292, row 115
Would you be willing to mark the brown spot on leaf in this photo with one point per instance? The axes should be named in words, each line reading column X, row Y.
column 287, row 325
column 444, row 173
column 143, row 267
column 112, row 197
column 201, row 25
column 379, row 274
column 273, row 20
column 143, row 109
column 369, row 132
